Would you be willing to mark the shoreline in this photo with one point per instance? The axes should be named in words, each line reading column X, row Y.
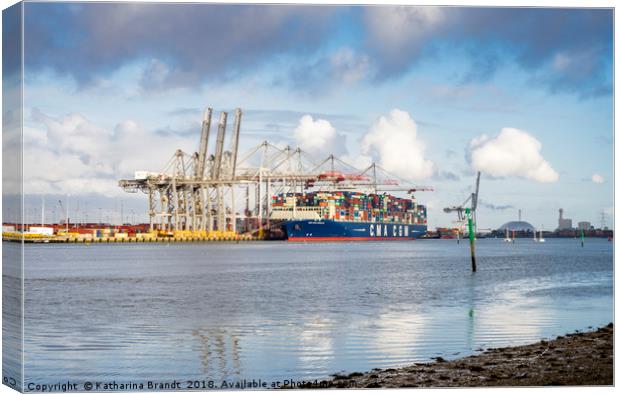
column 583, row 358
column 245, row 238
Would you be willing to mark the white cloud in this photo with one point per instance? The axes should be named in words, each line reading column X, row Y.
column 512, row 152
column 402, row 26
column 596, row 178
column 349, row 67
column 574, row 63
column 393, row 142
column 73, row 133
column 155, row 75
column 318, row 137
column 73, row 155
column 360, row 162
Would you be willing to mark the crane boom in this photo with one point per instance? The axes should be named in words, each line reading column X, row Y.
column 219, row 146
column 204, row 143
column 235, row 141
column 474, row 196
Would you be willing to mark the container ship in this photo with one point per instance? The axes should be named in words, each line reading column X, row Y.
column 348, row 216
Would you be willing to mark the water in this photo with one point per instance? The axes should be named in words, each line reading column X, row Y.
column 273, row 311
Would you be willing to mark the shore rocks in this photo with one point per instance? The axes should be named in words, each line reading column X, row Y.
column 573, row 359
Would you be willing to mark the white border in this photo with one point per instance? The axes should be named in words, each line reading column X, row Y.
column 484, row 3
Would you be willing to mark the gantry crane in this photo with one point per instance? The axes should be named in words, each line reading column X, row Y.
column 197, row 192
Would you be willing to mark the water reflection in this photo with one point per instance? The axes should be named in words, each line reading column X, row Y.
column 471, row 303
column 12, row 315
column 279, row 311
column 397, row 335
column 316, row 341
column 219, row 352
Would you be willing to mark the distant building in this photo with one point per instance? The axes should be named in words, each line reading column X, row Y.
column 584, row 226
column 564, row 224
column 518, row 226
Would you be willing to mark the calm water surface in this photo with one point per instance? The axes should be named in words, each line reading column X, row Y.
column 297, row 311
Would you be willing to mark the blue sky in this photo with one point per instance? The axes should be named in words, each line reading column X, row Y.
column 524, row 95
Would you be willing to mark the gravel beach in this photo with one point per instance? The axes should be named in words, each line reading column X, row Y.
column 573, row 359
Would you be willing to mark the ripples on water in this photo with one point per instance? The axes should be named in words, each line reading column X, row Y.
column 279, row 310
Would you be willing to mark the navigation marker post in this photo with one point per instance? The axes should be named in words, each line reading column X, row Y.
column 470, row 214
column 472, row 238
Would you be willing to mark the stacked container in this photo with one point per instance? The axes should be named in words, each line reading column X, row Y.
column 355, row 206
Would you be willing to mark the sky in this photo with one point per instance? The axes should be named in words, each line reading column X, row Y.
column 432, row 94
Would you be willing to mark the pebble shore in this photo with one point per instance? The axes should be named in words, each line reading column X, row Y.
column 573, row 359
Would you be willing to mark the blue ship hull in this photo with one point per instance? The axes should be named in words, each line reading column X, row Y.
column 331, row 230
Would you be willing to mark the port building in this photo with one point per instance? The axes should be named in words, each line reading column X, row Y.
column 585, row 226
column 564, row 223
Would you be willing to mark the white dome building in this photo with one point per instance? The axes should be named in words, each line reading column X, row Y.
column 517, row 226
